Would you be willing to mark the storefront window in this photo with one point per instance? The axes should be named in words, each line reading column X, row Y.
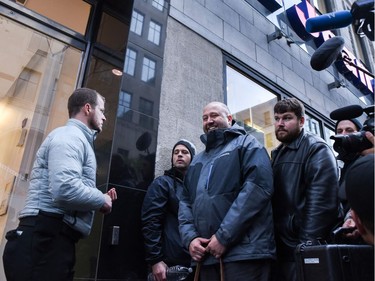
column 37, row 76
column 78, row 11
column 252, row 107
column 312, row 125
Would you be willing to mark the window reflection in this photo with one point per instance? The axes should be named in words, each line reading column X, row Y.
column 70, row 13
column 154, row 32
column 158, row 4
column 130, row 61
column 37, row 76
column 252, row 107
column 137, row 23
column 312, row 125
column 148, row 70
column 124, row 106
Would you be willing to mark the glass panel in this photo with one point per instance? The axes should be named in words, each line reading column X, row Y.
column 37, row 76
column 130, row 60
column 312, row 125
column 73, row 14
column 148, row 70
column 328, row 133
column 124, row 105
column 102, row 79
column 252, row 107
column 137, row 23
column 114, row 40
column 158, row 4
column 154, row 32
column 146, row 107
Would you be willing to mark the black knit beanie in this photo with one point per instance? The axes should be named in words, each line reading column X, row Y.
column 188, row 145
column 354, row 121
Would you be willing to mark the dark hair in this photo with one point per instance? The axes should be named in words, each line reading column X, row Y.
column 80, row 97
column 290, row 105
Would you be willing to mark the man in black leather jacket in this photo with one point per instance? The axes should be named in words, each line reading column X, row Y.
column 305, row 200
column 160, row 215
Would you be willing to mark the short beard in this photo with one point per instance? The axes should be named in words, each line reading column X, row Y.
column 289, row 137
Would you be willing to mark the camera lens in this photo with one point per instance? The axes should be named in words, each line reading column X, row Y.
column 351, row 143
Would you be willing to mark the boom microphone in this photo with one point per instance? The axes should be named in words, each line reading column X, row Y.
column 329, row 21
column 327, row 53
column 347, row 112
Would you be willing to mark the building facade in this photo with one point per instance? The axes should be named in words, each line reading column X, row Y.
column 157, row 63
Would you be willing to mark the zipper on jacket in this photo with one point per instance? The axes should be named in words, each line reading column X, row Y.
column 209, row 175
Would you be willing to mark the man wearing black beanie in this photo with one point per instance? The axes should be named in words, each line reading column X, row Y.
column 159, row 215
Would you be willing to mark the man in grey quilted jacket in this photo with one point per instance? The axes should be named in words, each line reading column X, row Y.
column 62, row 197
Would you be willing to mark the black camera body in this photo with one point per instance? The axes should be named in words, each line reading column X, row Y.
column 356, row 142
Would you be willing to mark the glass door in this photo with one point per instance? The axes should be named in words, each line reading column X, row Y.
column 37, row 75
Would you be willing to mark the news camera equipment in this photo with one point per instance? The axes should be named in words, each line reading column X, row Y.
column 361, row 16
column 354, row 142
column 331, row 51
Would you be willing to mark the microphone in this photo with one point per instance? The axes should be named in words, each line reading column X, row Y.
column 329, row 21
column 347, row 112
column 327, row 53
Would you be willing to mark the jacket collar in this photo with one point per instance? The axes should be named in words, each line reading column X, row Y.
column 174, row 173
column 89, row 134
column 218, row 137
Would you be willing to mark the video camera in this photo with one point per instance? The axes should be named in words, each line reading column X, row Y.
column 354, row 142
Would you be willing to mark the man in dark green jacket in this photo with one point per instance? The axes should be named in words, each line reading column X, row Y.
column 225, row 211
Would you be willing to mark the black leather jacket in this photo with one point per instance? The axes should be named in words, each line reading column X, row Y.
column 305, row 200
column 160, row 221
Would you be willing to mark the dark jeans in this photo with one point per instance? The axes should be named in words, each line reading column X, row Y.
column 250, row 270
column 39, row 250
column 284, row 271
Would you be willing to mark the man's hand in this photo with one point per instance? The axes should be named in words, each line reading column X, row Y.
column 112, row 193
column 215, row 248
column 371, row 138
column 197, row 248
column 109, row 197
column 159, row 271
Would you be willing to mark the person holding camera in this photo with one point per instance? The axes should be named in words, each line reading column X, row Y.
column 346, row 159
column 349, row 221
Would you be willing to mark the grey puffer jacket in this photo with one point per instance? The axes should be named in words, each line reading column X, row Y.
column 64, row 176
column 227, row 192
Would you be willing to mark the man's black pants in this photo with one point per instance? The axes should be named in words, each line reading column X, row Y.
column 249, row 270
column 42, row 248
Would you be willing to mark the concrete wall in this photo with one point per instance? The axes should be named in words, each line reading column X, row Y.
column 192, row 77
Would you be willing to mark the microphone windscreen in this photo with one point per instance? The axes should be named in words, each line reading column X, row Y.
column 327, row 53
column 347, row 112
column 329, row 21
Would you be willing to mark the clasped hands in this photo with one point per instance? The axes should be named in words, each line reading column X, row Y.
column 199, row 247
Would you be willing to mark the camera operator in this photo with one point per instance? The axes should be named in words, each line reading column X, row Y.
column 345, row 127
